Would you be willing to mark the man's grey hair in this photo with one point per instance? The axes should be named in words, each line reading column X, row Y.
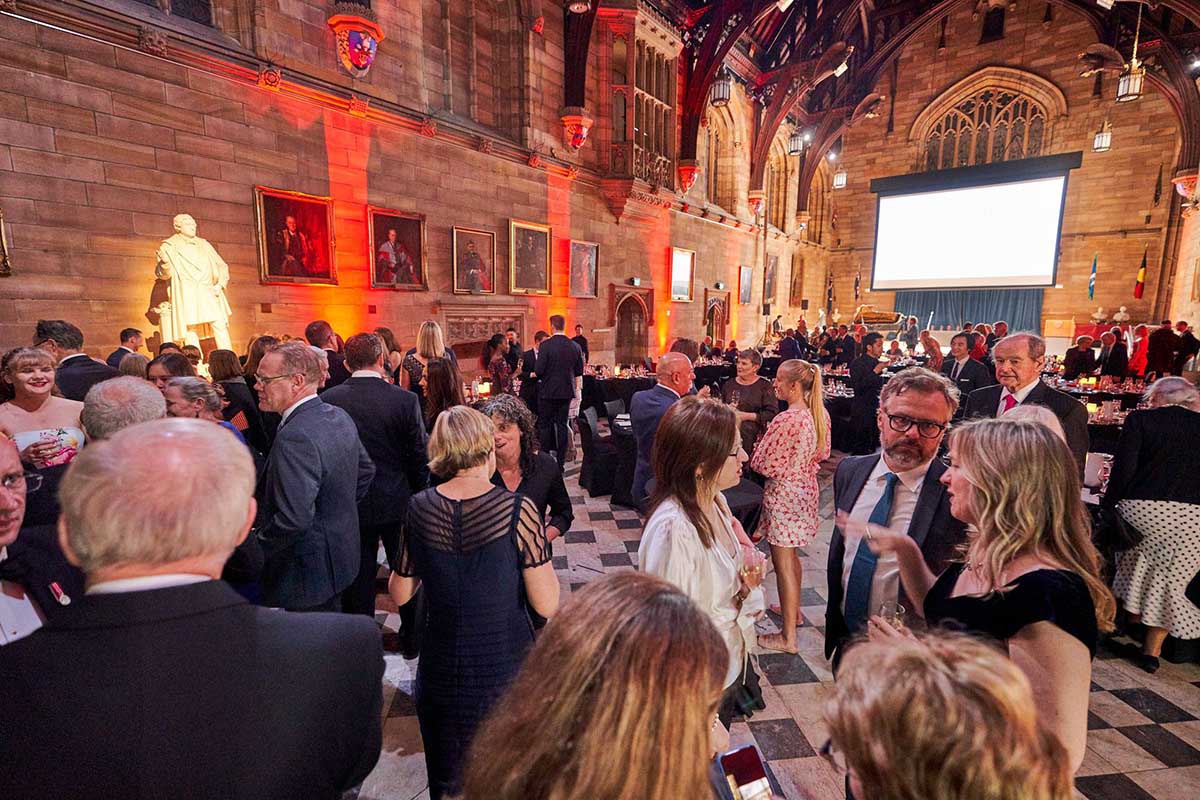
column 921, row 381
column 1035, row 344
column 1173, row 391
column 200, row 485
column 193, row 389
column 299, row 358
column 117, row 403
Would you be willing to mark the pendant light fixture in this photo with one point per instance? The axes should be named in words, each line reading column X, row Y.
column 795, row 142
column 1102, row 142
column 1129, row 86
column 721, row 90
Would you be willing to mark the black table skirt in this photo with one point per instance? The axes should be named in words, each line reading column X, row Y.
column 598, row 391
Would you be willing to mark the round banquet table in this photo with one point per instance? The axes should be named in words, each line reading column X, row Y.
column 598, row 391
column 713, row 376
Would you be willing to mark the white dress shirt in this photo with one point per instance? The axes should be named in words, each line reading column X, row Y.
column 1020, row 395
column 959, row 363
column 885, row 586
column 19, row 615
column 146, row 583
column 287, row 412
column 366, row 373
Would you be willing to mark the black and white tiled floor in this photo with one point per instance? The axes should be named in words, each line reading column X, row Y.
column 1144, row 730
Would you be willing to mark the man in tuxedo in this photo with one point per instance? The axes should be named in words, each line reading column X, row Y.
column 1161, row 350
column 389, row 425
column 1188, row 346
column 1019, row 361
column 36, row 582
column 529, row 379
column 582, row 341
column 899, row 488
column 320, row 334
column 646, row 408
column 131, row 342
column 1114, row 356
column 1079, row 360
column 559, row 363
column 316, row 474
column 513, row 356
column 999, row 331
column 963, row 371
column 866, row 379
column 76, row 372
column 788, row 347
column 846, row 348
column 210, row 673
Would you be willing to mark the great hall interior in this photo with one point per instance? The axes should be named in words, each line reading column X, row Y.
column 741, row 174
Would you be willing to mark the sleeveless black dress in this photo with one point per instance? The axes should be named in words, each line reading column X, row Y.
column 1043, row 595
column 469, row 555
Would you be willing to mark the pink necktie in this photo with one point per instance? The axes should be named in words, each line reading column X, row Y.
column 1010, row 403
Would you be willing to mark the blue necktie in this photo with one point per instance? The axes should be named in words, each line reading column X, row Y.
column 858, row 588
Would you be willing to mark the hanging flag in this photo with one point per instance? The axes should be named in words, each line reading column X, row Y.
column 1139, row 288
column 829, row 293
column 858, row 284
column 1092, row 281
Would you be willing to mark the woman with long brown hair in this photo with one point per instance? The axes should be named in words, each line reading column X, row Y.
column 637, row 676
column 789, row 456
column 689, row 538
column 1030, row 576
column 392, row 350
column 442, row 387
column 941, row 716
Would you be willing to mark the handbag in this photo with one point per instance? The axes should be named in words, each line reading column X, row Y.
column 1110, row 532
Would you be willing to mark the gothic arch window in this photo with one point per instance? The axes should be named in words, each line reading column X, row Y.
column 997, row 114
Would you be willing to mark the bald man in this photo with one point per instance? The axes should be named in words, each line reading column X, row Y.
column 675, row 378
column 162, row 676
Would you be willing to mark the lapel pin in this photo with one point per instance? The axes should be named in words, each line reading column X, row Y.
column 62, row 597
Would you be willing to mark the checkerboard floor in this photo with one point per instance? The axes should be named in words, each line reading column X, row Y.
column 1143, row 730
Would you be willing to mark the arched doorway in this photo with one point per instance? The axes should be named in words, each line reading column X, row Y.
column 631, row 331
column 714, row 320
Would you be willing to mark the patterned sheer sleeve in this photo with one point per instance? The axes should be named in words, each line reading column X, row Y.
column 531, row 536
column 403, row 563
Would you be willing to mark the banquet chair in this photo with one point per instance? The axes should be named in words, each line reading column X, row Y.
column 599, row 455
column 614, row 407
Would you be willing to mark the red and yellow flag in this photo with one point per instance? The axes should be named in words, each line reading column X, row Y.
column 1139, row 288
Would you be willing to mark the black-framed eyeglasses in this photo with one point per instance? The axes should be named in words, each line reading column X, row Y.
column 264, row 380
column 22, row 482
column 926, row 428
column 835, row 758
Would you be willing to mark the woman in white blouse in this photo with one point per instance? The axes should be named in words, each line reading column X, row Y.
column 690, row 538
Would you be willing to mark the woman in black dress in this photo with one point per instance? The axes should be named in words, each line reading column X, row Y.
column 522, row 469
column 1031, row 575
column 441, row 387
column 241, row 409
column 478, row 551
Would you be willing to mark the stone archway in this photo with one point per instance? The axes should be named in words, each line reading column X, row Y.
column 631, row 331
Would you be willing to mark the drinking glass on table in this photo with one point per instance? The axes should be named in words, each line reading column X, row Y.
column 735, row 397
column 891, row 612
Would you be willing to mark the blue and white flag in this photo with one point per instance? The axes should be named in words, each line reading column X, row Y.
column 1092, row 280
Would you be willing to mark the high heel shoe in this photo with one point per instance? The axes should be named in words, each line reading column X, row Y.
column 1147, row 662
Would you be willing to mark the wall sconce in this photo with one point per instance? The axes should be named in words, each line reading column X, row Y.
column 719, row 285
column 1102, row 142
column 839, row 179
column 635, row 281
column 358, row 35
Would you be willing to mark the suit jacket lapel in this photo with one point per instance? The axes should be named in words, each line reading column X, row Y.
column 927, row 503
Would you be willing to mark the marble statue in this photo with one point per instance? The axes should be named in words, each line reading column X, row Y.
column 1122, row 315
column 196, row 297
column 837, row 316
column 1100, row 315
column 821, row 318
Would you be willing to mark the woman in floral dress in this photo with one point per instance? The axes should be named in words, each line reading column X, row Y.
column 789, row 455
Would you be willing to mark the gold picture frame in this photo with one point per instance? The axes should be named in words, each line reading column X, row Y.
column 474, row 254
column 398, row 264
column 683, row 275
column 295, row 237
column 530, row 247
column 5, row 264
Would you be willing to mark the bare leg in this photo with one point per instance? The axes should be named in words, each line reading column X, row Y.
column 1154, row 641
column 788, row 575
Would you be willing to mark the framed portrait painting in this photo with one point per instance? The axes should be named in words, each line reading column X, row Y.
column 769, row 279
column 474, row 261
column 295, row 237
column 584, row 258
column 397, row 247
column 683, row 273
column 745, row 284
column 796, row 288
column 528, row 257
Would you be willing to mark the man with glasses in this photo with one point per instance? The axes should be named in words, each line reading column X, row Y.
column 36, row 582
column 898, row 488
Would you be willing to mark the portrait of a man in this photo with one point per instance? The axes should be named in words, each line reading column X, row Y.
column 474, row 261
column 295, row 237
column 683, row 271
column 529, row 257
column 584, row 256
column 769, row 279
column 397, row 248
column 745, row 284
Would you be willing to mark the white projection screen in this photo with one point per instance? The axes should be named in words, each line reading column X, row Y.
column 996, row 233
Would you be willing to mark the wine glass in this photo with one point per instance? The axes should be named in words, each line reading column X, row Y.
column 891, row 612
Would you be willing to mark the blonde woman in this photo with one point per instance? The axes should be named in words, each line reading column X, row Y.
column 430, row 344
column 637, row 676
column 45, row 427
column 1031, row 575
column 689, row 538
column 789, row 455
column 478, row 551
column 942, row 716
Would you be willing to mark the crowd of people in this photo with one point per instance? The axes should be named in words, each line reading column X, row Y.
column 203, row 534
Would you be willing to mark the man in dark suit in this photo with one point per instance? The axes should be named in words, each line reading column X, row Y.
column 866, row 379
column 999, row 331
column 788, row 347
column 36, row 582
column 320, row 334
column 582, row 341
column 559, row 363
column 846, row 348
column 389, row 425
column 963, row 371
column 646, row 408
column 131, row 342
column 529, row 379
column 513, row 356
column 1161, row 350
column 1019, row 361
column 1188, row 346
column 900, row 489
column 210, row 673
column 76, row 372
column 317, row 473
column 1114, row 356
column 1079, row 360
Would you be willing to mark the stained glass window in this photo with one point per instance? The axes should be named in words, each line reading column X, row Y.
column 991, row 125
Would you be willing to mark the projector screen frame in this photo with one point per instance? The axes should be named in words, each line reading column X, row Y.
column 1059, row 165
